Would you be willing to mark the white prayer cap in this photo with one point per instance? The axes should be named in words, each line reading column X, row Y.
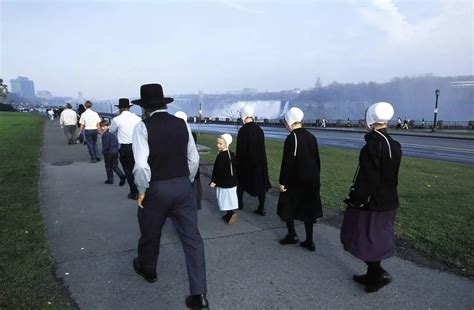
column 294, row 115
column 227, row 138
column 380, row 113
column 181, row 115
column 247, row 111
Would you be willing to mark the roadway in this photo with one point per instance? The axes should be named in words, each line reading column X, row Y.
column 446, row 149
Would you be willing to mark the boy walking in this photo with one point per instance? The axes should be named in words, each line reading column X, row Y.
column 110, row 149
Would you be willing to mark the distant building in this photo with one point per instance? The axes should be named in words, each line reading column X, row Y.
column 44, row 94
column 23, row 87
column 318, row 83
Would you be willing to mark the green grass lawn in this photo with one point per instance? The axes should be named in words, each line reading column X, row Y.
column 26, row 273
column 436, row 214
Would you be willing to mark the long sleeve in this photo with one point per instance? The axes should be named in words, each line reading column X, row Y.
column 242, row 142
column 318, row 159
column 105, row 143
column 193, row 157
column 113, row 127
column 288, row 160
column 141, row 151
column 61, row 119
column 367, row 177
column 215, row 170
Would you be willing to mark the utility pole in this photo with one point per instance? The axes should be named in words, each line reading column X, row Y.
column 435, row 111
column 201, row 99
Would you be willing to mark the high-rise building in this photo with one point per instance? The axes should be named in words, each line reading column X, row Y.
column 23, row 87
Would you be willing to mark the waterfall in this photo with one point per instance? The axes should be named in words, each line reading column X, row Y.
column 263, row 109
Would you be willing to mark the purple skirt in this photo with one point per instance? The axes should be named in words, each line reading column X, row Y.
column 368, row 235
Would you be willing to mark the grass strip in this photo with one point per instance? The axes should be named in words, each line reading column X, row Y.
column 26, row 266
column 436, row 214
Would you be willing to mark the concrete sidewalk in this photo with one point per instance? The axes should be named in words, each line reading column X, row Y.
column 93, row 232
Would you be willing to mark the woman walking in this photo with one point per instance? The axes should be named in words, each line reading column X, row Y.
column 299, row 180
column 367, row 229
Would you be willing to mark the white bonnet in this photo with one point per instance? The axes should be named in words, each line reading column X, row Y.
column 247, row 111
column 227, row 138
column 181, row 115
column 380, row 113
column 294, row 115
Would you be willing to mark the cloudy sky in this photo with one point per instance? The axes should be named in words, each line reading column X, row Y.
column 107, row 49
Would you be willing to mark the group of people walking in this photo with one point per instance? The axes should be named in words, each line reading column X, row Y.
column 116, row 138
column 160, row 160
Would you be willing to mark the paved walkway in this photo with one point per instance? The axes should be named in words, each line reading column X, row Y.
column 93, row 231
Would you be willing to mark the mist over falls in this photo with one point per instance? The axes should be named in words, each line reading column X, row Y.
column 412, row 97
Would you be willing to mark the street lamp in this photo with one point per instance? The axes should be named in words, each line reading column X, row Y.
column 435, row 110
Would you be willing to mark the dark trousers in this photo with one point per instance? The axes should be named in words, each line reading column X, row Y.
column 111, row 166
column 91, row 141
column 173, row 198
column 70, row 133
column 128, row 162
column 240, row 198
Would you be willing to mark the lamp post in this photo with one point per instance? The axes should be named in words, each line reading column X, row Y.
column 435, row 110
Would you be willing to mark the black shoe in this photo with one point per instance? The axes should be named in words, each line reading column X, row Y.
column 132, row 196
column 260, row 211
column 138, row 270
column 384, row 279
column 197, row 302
column 289, row 240
column 122, row 181
column 97, row 158
column 361, row 279
column 108, row 182
column 309, row 245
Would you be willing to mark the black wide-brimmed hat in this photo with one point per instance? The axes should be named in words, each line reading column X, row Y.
column 151, row 95
column 124, row 103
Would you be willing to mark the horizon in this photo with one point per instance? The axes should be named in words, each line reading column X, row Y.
column 97, row 47
column 231, row 91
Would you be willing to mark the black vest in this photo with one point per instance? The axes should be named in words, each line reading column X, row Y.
column 168, row 141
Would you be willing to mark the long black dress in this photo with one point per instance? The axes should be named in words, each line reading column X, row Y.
column 367, row 230
column 252, row 169
column 299, row 173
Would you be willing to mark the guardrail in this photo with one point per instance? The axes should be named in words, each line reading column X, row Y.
column 332, row 123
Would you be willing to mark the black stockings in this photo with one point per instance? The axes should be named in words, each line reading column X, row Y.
column 308, row 227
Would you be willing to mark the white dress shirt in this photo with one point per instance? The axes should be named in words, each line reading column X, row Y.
column 123, row 125
column 141, row 151
column 89, row 119
column 68, row 117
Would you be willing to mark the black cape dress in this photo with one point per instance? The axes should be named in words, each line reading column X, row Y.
column 367, row 229
column 252, row 169
column 299, row 173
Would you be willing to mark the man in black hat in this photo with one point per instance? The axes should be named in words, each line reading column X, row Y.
column 123, row 126
column 166, row 160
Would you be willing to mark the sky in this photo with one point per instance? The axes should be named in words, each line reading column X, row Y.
column 107, row 49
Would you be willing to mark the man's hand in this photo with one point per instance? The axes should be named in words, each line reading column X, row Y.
column 140, row 200
column 212, row 184
column 282, row 188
